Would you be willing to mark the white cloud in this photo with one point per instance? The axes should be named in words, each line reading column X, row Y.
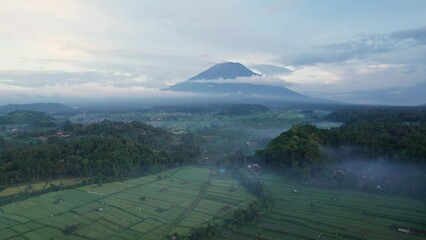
column 157, row 43
column 313, row 75
column 259, row 80
column 375, row 68
column 90, row 90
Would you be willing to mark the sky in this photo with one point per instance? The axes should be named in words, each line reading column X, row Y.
column 112, row 48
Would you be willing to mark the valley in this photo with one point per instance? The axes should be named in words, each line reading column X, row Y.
column 168, row 198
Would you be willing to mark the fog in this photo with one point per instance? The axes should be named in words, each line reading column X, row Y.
column 352, row 169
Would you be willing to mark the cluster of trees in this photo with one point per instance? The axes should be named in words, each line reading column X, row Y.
column 296, row 149
column 213, row 230
column 241, row 216
column 243, row 109
column 396, row 135
column 104, row 150
column 244, row 216
column 255, row 187
column 384, row 114
column 26, row 117
column 396, row 141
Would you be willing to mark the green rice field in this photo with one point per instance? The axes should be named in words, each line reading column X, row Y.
column 149, row 207
column 321, row 214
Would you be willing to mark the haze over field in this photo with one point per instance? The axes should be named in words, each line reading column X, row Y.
column 336, row 50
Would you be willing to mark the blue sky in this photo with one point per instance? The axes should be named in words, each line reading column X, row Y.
column 80, row 48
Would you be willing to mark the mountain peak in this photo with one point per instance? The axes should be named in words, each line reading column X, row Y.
column 226, row 70
column 236, row 90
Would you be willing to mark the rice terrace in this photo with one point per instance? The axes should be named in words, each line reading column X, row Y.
column 177, row 200
column 310, row 213
column 150, row 207
column 212, row 120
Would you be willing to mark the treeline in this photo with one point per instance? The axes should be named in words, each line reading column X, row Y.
column 26, row 117
column 303, row 145
column 298, row 148
column 240, row 217
column 213, row 230
column 384, row 114
column 102, row 150
column 399, row 142
column 397, row 137
column 243, row 109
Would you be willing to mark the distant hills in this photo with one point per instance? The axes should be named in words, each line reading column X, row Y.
column 404, row 96
column 37, row 118
column 40, row 107
column 224, row 78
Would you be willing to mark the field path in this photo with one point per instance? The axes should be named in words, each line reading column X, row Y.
column 191, row 207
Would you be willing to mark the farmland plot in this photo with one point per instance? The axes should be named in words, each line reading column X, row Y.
column 150, row 207
column 311, row 213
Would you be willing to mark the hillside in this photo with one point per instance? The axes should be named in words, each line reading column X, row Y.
column 25, row 117
column 401, row 96
column 41, row 107
column 228, row 79
column 104, row 150
column 227, row 70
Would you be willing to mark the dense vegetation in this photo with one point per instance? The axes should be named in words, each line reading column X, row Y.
column 244, row 109
column 105, row 149
column 389, row 114
column 297, row 148
column 40, row 107
column 399, row 137
column 25, row 117
column 241, row 216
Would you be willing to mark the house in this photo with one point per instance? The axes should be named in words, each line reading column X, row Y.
column 61, row 134
column 254, row 168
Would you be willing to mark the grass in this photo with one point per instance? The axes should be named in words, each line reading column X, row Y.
column 150, row 207
column 313, row 213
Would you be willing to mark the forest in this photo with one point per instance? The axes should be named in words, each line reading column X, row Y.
column 103, row 150
column 395, row 139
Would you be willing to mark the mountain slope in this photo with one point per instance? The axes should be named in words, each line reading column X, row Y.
column 408, row 96
column 227, row 70
column 229, row 79
column 40, row 107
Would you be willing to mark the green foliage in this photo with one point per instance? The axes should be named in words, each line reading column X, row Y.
column 101, row 150
column 295, row 149
column 70, row 229
column 384, row 114
column 393, row 140
column 244, row 109
column 244, row 216
column 398, row 135
column 255, row 187
column 211, row 231
column 25, row 117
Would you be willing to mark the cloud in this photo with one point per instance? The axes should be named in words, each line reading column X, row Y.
column 257, row 80
column 362, row 47
column 418, row 35
column 314, row 75
column 269, row 70
column 48, row 78
column 152, row 44
column 87, row 90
